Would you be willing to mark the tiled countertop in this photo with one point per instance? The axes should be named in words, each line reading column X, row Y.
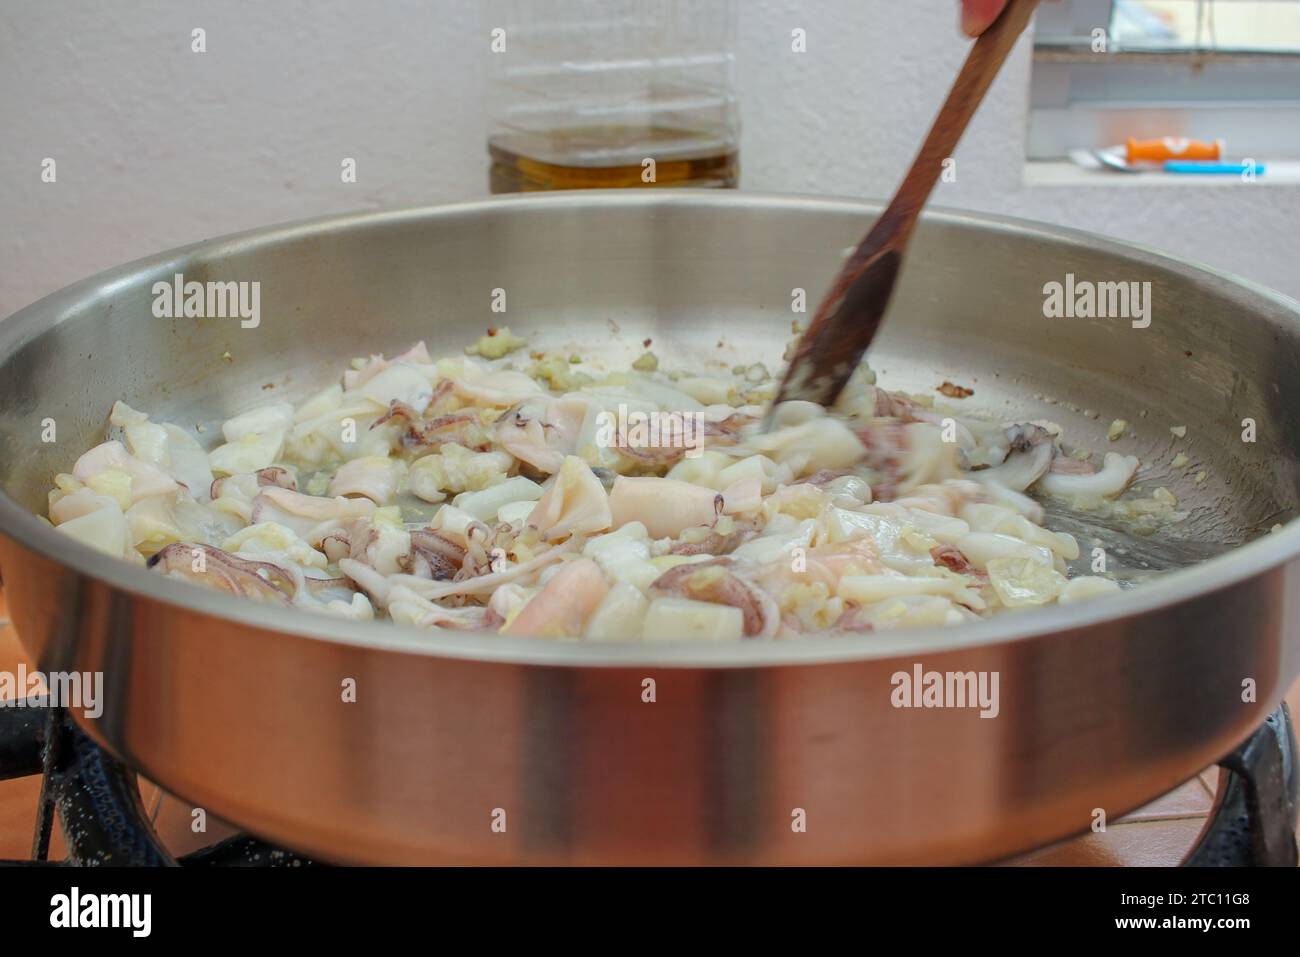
column 1158, row 834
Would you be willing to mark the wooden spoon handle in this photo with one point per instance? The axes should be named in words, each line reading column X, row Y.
column 847, row 319
column 982, row 64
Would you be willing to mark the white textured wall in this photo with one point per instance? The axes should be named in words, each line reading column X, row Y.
column 157, row 146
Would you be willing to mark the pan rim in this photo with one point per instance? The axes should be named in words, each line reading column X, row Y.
column 1267, row 552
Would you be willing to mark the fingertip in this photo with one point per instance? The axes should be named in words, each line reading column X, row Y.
column 978, row 15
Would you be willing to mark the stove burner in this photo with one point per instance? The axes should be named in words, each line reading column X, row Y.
column 105, row 823
column 1252, row 823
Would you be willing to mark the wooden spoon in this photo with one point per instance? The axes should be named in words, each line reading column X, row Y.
column 847, row 319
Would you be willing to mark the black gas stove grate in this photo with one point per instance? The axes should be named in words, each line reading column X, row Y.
column 104, row 820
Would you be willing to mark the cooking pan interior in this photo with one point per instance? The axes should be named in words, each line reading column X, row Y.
column 711, row 279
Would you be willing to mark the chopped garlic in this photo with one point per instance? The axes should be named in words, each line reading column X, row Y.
column 1020, row 582
column 1165, row 497
column 496, row 343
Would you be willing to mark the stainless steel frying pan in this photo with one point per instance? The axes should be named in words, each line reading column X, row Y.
column 238, row 707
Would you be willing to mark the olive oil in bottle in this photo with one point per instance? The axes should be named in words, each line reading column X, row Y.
column 612, row 94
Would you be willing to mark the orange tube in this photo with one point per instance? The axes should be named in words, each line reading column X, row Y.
column 1173, row 147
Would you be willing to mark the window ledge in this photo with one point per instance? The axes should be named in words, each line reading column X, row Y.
column 1065, row 173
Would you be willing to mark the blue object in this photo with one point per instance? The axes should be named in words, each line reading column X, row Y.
column 1209, row 166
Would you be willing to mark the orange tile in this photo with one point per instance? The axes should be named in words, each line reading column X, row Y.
column 1209, row 779
column 18, row 817
column 1189, row 800
column 11, row 653
column 1140, row 844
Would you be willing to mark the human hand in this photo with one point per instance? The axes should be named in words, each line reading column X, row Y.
column 978, row 15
